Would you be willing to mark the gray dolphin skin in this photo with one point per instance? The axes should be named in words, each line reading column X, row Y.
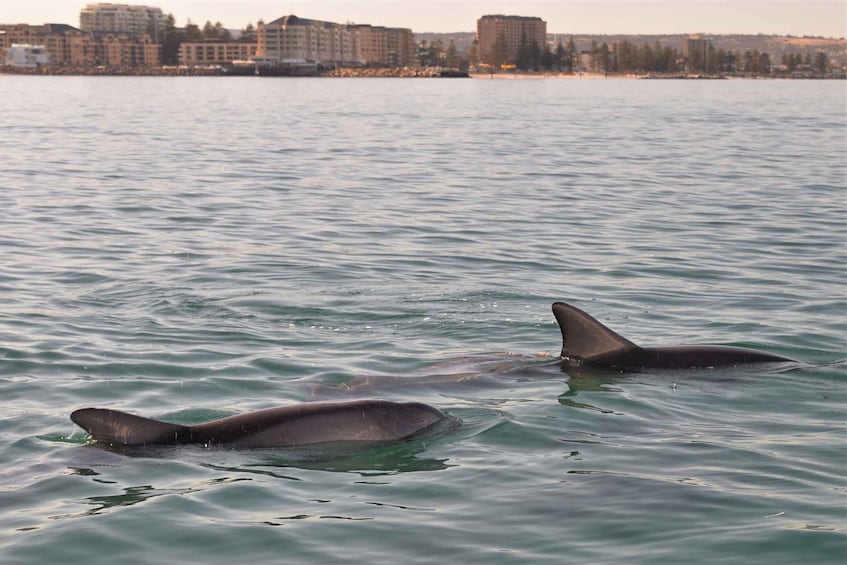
column 288, row 426
column 585, row 341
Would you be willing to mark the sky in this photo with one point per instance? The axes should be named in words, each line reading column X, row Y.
column 783, row 17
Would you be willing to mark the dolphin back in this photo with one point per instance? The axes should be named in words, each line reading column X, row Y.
column 322, row 422
column 286, row 426
column 120, row 428
column 584, row 339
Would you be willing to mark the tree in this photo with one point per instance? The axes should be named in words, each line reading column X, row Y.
column 522, row 61
column 221, row 33
column 192, row 32
column 696, row 60
column 172, row 38
column 595, row 55
column 625, row 56
column 473, row 54
column 497, row 57
column 763, row 65
column 788, row 62
column 573, row 55
column 559, row 56
column 605, row 58
column 452, row 58
column 208, row 31
column 431, row 54
column 423, row 51
column 436, row 53
column 248, row 34
column 749, row 58
column 821, row 63
column 547, row 59
column 755, row 62
column 729, row 62
column 712, row 59
column 535, row 56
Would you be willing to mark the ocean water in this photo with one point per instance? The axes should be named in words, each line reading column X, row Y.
column 192, row 248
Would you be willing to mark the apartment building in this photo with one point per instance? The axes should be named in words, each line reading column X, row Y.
column 69, row 46
column 20, row 33
column 402, row 50
column 124, row 50
column 512, row 30
column 66, row 45
column 290, row 38
column 121, row 18
column 215, row 53
column 386, row 46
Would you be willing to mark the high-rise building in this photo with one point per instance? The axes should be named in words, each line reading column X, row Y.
column 122, row 18
column 697, row 48
column 510, row 31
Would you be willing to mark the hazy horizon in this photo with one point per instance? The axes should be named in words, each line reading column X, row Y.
column 774, row 17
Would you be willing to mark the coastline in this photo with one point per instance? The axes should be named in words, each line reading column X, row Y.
column 646, row 76
column 111, row 71
column 391, row 72
column 170, row 71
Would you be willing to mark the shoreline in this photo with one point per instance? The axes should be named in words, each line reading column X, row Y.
column 170, row 71
column 400, row 72
column 647, row 76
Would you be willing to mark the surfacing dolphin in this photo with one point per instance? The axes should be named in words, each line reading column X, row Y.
column 287, row 426
column 585, row 341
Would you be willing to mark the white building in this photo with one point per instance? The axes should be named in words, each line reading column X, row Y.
column 121, row 18
column 26, row 56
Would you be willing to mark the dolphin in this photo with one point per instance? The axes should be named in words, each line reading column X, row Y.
column 587, row 341
column 286, row 426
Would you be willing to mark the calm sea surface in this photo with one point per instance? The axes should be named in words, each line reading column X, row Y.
column 192, row 248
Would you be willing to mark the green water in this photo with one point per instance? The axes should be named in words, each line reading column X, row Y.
column 195, row 248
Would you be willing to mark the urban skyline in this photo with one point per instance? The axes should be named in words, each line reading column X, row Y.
column 782, row 17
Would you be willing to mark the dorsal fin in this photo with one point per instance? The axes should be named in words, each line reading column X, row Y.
column 113, row 426
column 586, row 339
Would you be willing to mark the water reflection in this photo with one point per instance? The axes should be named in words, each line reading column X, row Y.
column 367, row 459
column 130, row 496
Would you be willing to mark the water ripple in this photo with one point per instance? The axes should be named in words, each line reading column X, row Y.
column 207, row 257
